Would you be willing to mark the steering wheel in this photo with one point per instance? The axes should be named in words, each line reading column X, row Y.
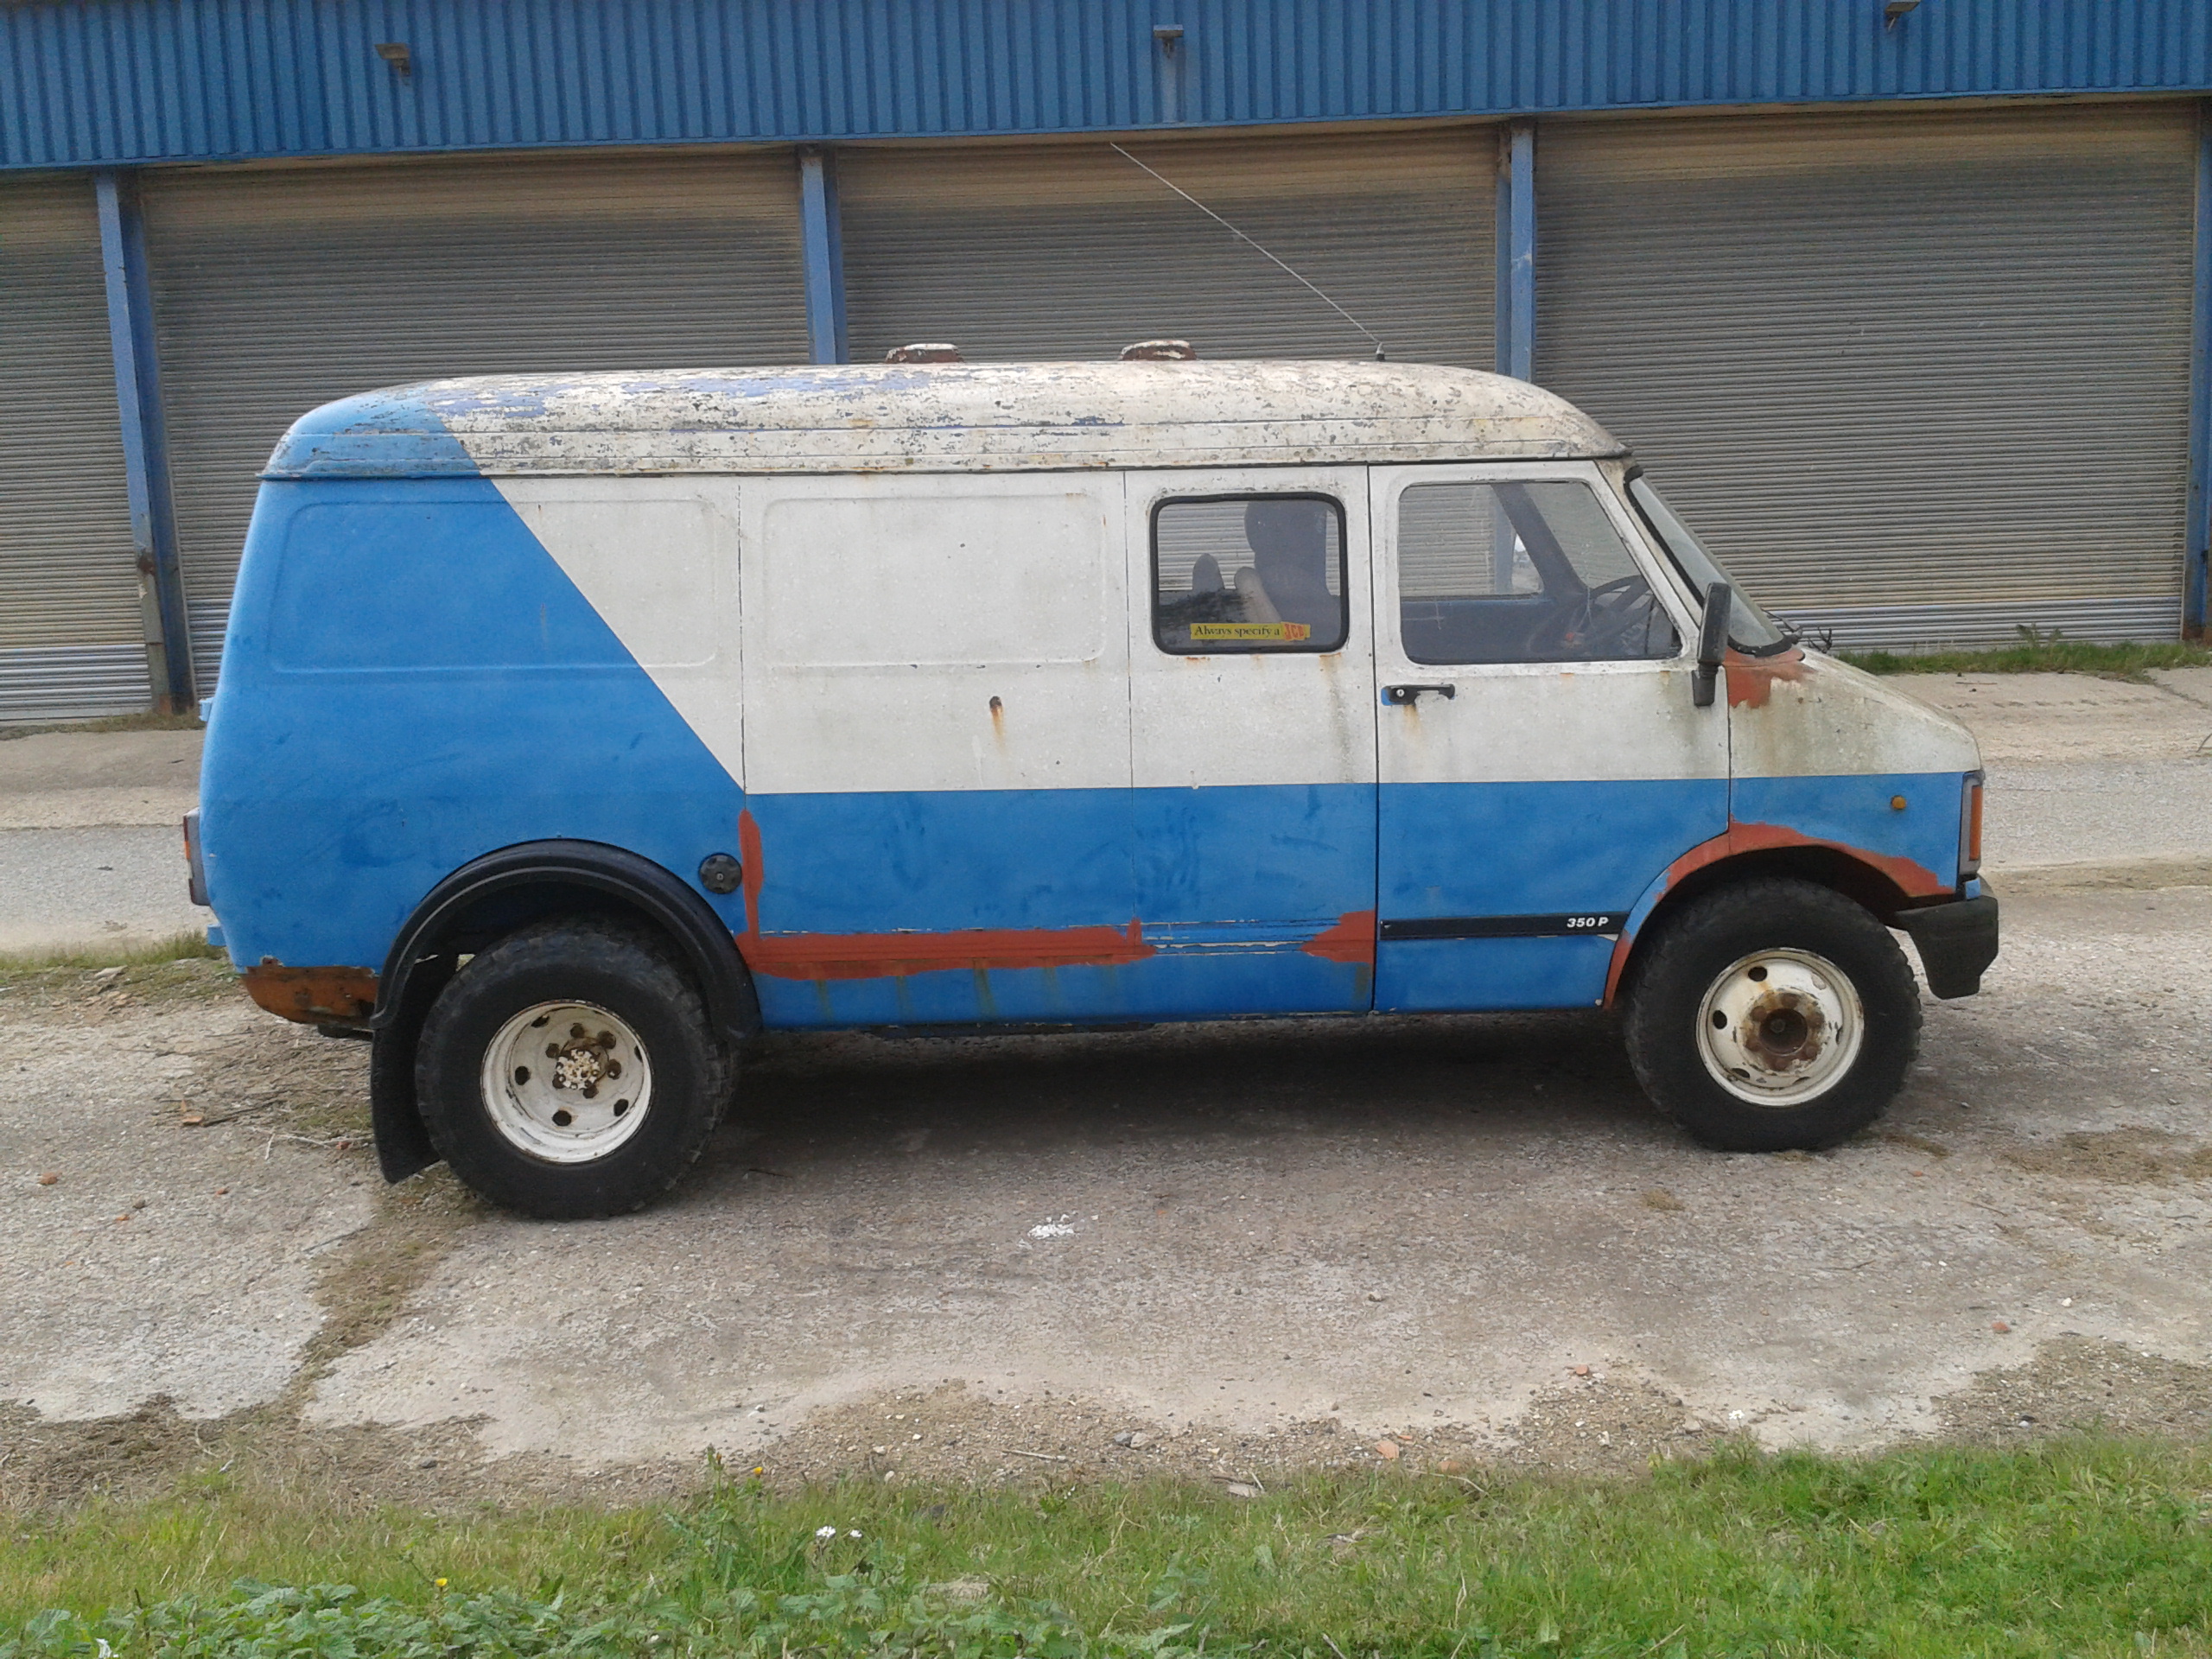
column 1594, row 626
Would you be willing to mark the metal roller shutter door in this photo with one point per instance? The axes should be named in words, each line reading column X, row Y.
column 73, row 641
column 1067, row 250
column 280, row 288
column 1919, row 378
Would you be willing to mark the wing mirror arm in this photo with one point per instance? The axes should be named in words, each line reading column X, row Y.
column 1711, row 642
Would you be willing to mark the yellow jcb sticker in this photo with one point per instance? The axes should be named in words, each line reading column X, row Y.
column 1240, row 631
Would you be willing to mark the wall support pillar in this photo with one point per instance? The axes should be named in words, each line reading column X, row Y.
column 145, row 448
column 1516, row 250
column 2196, row 578
column 822, row 249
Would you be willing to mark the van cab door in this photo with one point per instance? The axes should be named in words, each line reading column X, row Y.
column 1540, row 761
column 1252, row 740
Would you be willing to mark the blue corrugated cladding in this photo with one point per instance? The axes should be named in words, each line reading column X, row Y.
column 103, row 81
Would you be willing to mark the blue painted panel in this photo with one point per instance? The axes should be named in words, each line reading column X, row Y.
column 1538, row 849
column 1523, row 849
column 1856, row 811
column 1298, row 852
column 332, row 801
column 940, row 860
column 1228, row 885
column 1415, row 976
column 142, row 80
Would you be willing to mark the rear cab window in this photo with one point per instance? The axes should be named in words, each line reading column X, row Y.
column 1249, row 573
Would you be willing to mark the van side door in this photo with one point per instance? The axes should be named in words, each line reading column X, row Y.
column 1542, row 760
column 1252, row 733
column 937, row 821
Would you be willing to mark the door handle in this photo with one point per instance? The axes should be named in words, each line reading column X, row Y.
column 1404, row 694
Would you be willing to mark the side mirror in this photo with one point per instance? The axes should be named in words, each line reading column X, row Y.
column 1711, row 641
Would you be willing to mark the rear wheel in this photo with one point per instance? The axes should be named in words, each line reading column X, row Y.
column 1773, row 1015
column 570, row 1071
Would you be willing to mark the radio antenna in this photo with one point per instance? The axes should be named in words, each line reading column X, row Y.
column 1241, row 237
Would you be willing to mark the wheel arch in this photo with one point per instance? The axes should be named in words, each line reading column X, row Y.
column 492, row 896
column 1822, row 864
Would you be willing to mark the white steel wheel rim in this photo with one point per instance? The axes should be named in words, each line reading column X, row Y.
column 567, row 1082
column 1780, row 1028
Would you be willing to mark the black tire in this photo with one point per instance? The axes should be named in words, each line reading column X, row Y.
column 599, row 965
column 1665, row 1010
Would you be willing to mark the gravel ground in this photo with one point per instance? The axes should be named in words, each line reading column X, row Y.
column 1258, row 1247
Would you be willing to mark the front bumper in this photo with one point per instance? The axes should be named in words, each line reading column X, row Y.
column 1956, row 941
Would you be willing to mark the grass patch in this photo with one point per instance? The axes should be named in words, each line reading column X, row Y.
column 2078, row 1547
column 148, row 722
column 177, row 947
column 2039, row 653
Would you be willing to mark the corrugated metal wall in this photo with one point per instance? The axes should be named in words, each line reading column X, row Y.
column 1059, row 250
column 279, row 290
column 1917, row 376
column 72, row 639
column 182, row 79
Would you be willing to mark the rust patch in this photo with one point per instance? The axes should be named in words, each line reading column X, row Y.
column 876, row 956
column 312, row 995
column 1751, row 680
column 1351, row 939
column 1784, row 1028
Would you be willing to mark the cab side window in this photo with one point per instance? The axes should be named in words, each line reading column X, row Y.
column 1249, row 573
column 1521, row 573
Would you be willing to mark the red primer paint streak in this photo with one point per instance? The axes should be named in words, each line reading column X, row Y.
column 876, row 956
column 749, row 854
column 1350, row 939
column 1914, row 880
column 1751, row 679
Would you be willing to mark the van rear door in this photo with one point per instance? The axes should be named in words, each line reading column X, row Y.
column 1541, row 760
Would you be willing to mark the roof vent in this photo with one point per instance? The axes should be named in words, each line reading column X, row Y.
column 1161, row 350
column 926, row 351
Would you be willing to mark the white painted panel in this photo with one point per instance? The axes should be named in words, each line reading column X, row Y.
column 1531, row 722
column 979, row 576
column 1264, row 717
column 658, row 559
column 935, row 632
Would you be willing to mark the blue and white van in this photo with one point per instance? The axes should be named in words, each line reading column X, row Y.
column 573, row 730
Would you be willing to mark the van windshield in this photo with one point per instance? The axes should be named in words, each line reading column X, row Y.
column 1750, row 629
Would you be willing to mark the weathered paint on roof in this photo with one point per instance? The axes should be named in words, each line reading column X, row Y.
column 909, row 417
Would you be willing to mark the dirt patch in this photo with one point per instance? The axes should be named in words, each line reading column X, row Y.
column 46, row 1467
column 2076, row 1383
column 2122, row 1155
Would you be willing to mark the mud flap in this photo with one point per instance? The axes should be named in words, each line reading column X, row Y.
column 403, row 1145
column 1955, row 941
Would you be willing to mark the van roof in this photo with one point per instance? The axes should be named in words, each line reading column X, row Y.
column 938, row 418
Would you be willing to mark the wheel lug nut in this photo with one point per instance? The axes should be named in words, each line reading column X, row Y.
column 615, row 1068
column 576, row 1031
column 591, row 1091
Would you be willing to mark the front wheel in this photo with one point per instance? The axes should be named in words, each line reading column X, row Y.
column 570, row 1071
column 1771, row 1016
